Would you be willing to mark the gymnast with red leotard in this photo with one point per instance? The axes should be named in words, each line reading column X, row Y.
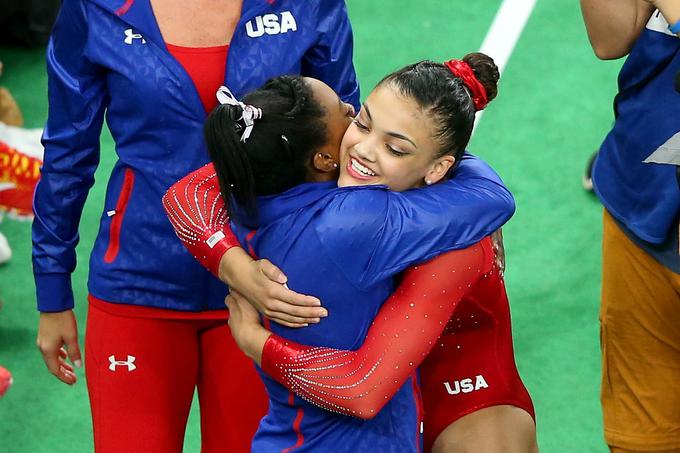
column 478, row 395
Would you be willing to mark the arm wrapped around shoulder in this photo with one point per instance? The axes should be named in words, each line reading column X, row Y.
column 359, row 383
column 198, row 215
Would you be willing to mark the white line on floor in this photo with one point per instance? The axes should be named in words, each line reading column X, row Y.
column 504, row 33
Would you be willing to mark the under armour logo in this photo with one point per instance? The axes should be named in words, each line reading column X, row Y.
column 130, row 35
column 129, row 363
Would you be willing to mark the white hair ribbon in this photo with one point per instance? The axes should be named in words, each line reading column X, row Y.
column 249, row 115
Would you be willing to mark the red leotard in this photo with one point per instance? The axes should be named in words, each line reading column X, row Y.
column 472, row 365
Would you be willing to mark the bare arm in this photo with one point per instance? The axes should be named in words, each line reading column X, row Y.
column 614, row 25
column 669, row 8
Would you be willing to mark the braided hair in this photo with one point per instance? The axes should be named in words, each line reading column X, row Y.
column 276, row 156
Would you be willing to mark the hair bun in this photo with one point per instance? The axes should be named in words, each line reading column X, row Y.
column 486, row 72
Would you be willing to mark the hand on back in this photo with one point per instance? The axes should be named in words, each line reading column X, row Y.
column 263, row 285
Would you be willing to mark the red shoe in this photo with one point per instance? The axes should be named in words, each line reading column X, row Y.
column 5, row 381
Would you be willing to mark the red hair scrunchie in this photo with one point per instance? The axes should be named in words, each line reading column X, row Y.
column 463, row 70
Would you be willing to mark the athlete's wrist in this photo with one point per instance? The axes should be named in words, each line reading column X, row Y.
column 249, row 337
column 256, row 339
column 231, row 267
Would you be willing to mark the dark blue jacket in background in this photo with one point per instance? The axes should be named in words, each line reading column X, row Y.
column 644, row 197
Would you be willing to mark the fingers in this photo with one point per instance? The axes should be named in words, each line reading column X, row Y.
column 58, row 341
column 236, row 297
column 73, row 350
column 231, row 303
column 500, row 259
column 280, row 290
column 62, row 360
column 66, row 376
column 497, row 240
column 499, row 250
column 294, row 313
column 55, row 360
column 290, row 297
column 291, row 321
column 500, row 262
column 289, row 324
column 66, row 373
column 51, row 359
column 247, row 311
column 272, row 272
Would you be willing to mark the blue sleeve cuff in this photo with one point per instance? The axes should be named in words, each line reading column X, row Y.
column 54, row 292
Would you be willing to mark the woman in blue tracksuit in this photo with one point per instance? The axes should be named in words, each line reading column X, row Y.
column 157, row 323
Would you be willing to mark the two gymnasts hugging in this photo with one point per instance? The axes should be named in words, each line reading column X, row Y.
column 384, row 217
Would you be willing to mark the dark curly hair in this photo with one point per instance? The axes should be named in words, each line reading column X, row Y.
column 276, row 155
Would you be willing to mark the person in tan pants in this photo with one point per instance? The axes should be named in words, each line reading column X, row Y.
column 640, row 311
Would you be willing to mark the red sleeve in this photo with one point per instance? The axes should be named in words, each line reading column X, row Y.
column 359, row 383
column 198, row 214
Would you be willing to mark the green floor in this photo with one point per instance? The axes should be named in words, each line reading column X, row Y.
column 553, row 109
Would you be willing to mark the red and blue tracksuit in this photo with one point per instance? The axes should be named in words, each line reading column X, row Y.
column 150, row 300
column 108, row 59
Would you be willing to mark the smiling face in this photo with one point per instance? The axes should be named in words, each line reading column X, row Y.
column 391, row 143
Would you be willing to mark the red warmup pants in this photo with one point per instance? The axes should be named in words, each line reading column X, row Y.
column 142, row 366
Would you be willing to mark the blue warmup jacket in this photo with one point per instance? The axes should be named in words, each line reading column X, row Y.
column 106, row 58
column 643, row 196
column 345, row 246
